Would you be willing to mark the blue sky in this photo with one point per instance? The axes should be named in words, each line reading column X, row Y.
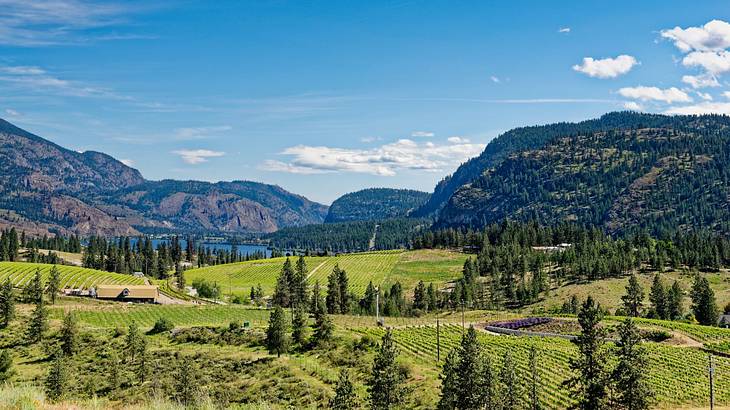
column 325, row 98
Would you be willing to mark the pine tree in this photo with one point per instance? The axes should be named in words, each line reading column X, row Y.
column 33, row 292
column 299, row 323
column 704, row 305
column 345, row 398
column 633, row 391
column 7, row 304
column 675, row 301
column 511, row 391
column 114, row 371
column 179, row 276
column 133, row 342
column 343, row 283
column 299, row 285
column 431, row 297
column 634, row 297
column 419, row 297
column 282, row 295
column 54, row 284
column 658, row 298
column 534, row 380
column 38, row 322
column 277, row 340
column 469, row 370
column 6, row 366
column 332, row 300
column 68, row 335
column 185, row 384
column 385, row 385
column 316, row 303
column 323, row 328
column 56, row 383
column 450, row 382
column 590, row 381
column 489, row 385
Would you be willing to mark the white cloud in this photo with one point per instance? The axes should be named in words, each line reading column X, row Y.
column 633, row 106
column 606, row 67
column 495, row 79
column 458, row 140
column 422, row 134
column 704, row 96
column 369, row 140
column 39, row 80
column 726, row 94
column 127, row 162
column 564, row 30
column 713, row 62
column 385, row 160
column 12, row 112
column 195, row 133
column 669, row 95
column 197, row 156
column 713, row 36
column 701, row 81
column 701, row 108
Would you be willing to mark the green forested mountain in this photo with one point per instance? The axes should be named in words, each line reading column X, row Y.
column 626, row 172
column 375, row 203
column 527, row 138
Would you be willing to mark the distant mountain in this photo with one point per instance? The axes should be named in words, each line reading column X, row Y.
column 375, row 204
column 47, row 188
column 525, row 138
column 623, row 172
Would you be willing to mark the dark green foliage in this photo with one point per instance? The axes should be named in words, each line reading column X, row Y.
column 299, row 326
column 6, row 366
column 207, row 289
column 7, row 303
column 658, row 298
column 630, row 375
column 634, row 297
column 277, row 339
column 33, row 291
column 511, row 394
column 186, row 389
column 469, row 371
column 38, row 322
column 161, row 325
column 134, row 344
column 54, row 284
column 282, row 293
column 704, row 305
column 345, row 397
column 385, row 386
column 323, row 328
column 338, row 297
column 534, row 384
column 375, row 204
column 298, row 285
column 56, row 383
column 590, row 381
column 450, row 382
column 69, row 335
column 316, row 302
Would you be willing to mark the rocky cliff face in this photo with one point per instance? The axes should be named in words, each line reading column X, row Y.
column 48, row 188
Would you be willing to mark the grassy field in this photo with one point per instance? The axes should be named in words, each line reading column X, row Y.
column 382, row 268
column 20, row 273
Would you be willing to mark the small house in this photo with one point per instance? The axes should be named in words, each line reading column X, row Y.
column 128, row 293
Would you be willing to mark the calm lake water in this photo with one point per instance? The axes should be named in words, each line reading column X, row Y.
column 242, row 249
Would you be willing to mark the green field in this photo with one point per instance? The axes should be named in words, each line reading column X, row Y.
column 382, row 268
column 20, row 273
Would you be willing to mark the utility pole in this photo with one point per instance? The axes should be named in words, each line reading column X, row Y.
column 438, row 341
column 712, row 387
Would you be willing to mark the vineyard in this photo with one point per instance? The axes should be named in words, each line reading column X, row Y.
column 20, row 273
column 382, row 268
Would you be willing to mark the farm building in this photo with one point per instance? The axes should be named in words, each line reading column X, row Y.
column 128, row 293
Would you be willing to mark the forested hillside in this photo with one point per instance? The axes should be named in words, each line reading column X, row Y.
column 375, row 203
column 665, row 174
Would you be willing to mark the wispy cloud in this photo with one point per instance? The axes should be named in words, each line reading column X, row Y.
column 701, row 108
column 422, row 134
column 38, row 80
column 386, row 160
column 41, row 23
column 495, row 79
column 197, row 156
column 606, row 67
column 196, row 133
column 11, row 112
column 564, row 30
column 127, row 162
column 669, row 95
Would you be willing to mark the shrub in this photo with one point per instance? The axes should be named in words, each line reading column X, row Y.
column 161, row 325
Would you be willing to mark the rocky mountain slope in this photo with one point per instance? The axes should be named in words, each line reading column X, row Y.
column 375, row 204
column 625, row 172
column 47, row 188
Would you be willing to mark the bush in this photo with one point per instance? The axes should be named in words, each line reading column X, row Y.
column 161, row 325
column 206, row 289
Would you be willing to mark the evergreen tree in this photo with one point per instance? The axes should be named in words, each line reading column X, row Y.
column 33, row 292
column 179, row 276
column 511, row 391
column 419, row 297
column 332, row 300
column 282, row 291
column 367, row 303
column 489, row 385
column 185, row 384
column 114, row 371
column 590, row 381
column 634, row 297
column 299, row 323
column 7, row 304
column 6, row 366
column 675, row 301
column 534, row 380
column 277, row 340
column 658, row 298
column 345, row 398
column 385, row 385
column 299, row 284
column 323, row 328
column 38, row 322
column 704, row 305
column 54, row 284
column 56, row 383
column 133, row 342
column 450, row 382
column 68, row 335
column 316, row 304
column 343, row 283
column 431, row 297
column 469, row 370
column 633, row 391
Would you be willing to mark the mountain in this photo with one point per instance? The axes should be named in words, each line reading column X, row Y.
column 622, row 172
column 375, row 204
column 47, row 188
column 525, row 138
